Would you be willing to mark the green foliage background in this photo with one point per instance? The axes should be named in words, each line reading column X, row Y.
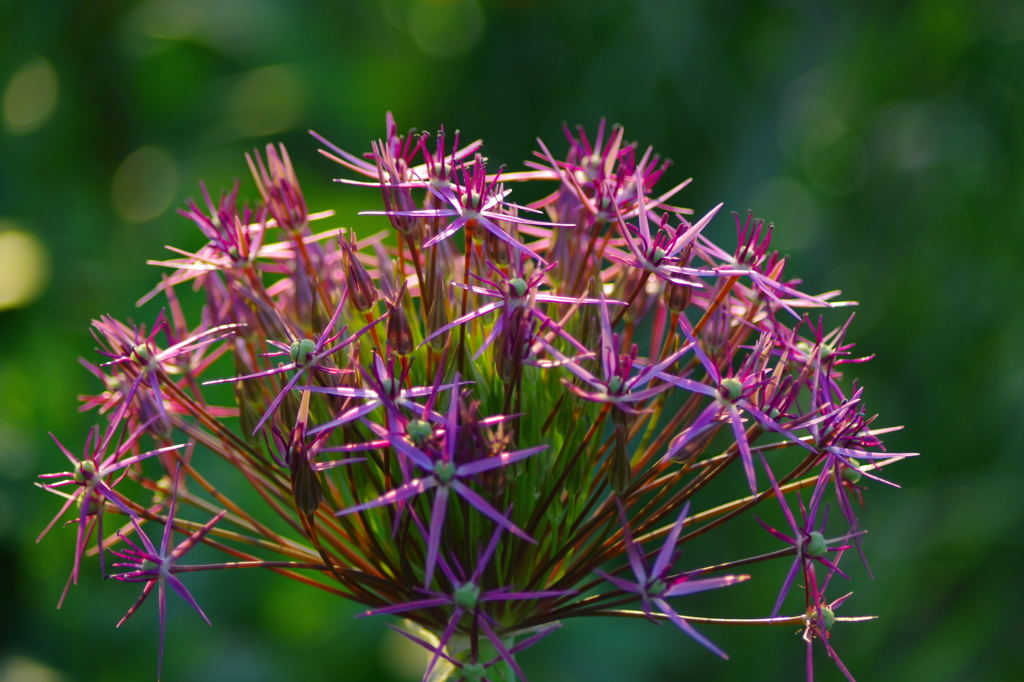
column 885, row 139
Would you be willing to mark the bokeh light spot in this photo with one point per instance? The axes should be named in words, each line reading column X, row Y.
column 22, row 669
column 404, row 658
column 30, row 97
column 24, row 266
column 144, row 184
column 266, row 101
column 834, row 158
column 791, row 207
column 445, row 28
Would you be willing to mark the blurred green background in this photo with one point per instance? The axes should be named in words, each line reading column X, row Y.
column 884, row 139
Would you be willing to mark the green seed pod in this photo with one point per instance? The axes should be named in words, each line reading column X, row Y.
column 300, row 350
column 656, row 587
column 815, row 546
column 419, row 431
column 467, row 596
column 828, row 617
column 851, row 475
column 733, row 388
column 84, row 471
column 142, row 352
column 473, row 672
column 444, row 472
column 518, row 285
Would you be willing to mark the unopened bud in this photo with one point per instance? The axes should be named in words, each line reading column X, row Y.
column 305, row 484
column 497, row 249
column 399, row 331
column 677, row 296
column 619, row 474
column 361, row 290
column 437, row 316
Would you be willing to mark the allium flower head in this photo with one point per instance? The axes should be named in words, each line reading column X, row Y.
column 490, row 417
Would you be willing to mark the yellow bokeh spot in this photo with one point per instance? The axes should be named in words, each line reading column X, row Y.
column 30, row 97
column 144, row 184
column 24, row 266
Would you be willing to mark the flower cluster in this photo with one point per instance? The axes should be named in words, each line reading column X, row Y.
column 488, row 418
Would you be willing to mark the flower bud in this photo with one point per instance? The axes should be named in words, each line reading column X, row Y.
column 399, row 331
column 696, row 443
column 437, row 316
column 279, row 187
column 619, row 474
column 677, row 296
column 305, row 484
column 361, row 290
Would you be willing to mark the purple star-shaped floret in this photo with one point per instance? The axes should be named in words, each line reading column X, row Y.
column 447, row 477
column 468, row 597
column 808, row 540
column 305, row 355
column 730, row 395
column 156, row 567
column 656, row 585
column 91, row 474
